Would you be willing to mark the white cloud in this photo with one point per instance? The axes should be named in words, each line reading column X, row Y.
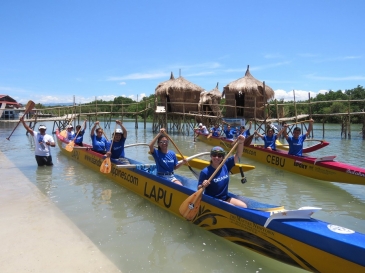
column 140, row 76
column 140, row 97
column 300, row 95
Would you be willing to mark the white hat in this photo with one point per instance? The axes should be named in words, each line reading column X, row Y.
column 42, row 127
column 69, row 126
column 200, row 124
column 118, row 131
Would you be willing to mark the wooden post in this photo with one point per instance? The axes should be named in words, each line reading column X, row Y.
column 349, row 119
column 145, row 116
column 310, row 109
column 295, row 108
column 266, row 113
column 254, row 113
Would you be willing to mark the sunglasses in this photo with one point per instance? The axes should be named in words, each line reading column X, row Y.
column 217, row 155
column 164, row 142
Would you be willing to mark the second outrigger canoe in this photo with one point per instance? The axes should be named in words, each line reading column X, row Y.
column 289, row 236
column 324, row 168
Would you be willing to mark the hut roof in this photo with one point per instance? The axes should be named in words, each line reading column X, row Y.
column 179, row 84
column 215, row 93
column 163, row 87
column 248, row 84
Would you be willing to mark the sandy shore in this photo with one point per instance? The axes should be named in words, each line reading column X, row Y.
column 36, row 236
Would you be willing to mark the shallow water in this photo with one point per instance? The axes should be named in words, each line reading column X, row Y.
column 138, row 236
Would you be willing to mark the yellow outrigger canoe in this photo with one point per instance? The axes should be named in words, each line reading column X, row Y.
column 289, row 236
column 324, row 168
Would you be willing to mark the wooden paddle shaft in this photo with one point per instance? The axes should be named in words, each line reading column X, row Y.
column 30, row 105
column 222, row 163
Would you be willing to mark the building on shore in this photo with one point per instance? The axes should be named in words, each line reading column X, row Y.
column 8, row 107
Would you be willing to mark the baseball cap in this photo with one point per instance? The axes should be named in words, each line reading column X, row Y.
column 200, row 124
column 118, row 131
column 70, row 126
column 217, row 149
column 42, row 127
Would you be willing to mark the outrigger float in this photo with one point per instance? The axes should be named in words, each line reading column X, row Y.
column 322, row 168
column 289, row 236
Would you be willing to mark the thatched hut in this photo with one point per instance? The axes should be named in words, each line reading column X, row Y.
column 179, row 94
column 209, row 102
column 243, row 93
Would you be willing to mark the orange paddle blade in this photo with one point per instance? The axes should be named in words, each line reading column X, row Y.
column 30, row 105
column 248, row 140
column 190, row 207
column 70, row 146
column 63, row 133
column 106, row 166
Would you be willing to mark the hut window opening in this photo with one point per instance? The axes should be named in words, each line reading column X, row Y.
column 240, row 102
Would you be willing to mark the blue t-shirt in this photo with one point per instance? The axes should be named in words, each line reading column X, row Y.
column 296, row 145
column 230, row 133
column 165, row 162
column 270, row 141
column 100, row 144
column 216, row 131
column 218, row 187
column 118, row 149
column 70, row 135
column 80, row 137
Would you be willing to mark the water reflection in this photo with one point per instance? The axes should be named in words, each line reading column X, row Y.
column 138, row 236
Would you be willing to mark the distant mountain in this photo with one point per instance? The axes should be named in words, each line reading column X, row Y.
column 58, row 104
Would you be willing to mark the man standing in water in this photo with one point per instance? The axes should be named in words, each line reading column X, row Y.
column 43, row 142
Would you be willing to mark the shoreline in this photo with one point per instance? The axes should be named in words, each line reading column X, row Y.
column 36, row 236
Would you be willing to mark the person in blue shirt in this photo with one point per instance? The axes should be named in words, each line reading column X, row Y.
column 218, row 186
column 215, row 131
column 229, row 132
column 245, row 132
column 79, row 137
column 119, row 138
column 296, row 141
column 70, row 132
column 99, row 142
column 270, row 138
column 165, row 159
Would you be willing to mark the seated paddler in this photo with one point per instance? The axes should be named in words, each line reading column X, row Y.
column 116, row 150
column 166, row 161
column 218, row 186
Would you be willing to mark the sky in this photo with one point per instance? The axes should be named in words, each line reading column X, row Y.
column 61, row 51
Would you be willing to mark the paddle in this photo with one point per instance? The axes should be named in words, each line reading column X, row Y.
column 63, row 133
column 30, row 105
column 248, row 142
column 136, row 144
column 194, row 156
column 173, row 143
column 189, row 208
column 106, row 165
column 70, row 146
column 303, row 121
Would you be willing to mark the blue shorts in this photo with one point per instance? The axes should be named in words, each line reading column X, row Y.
column 171, row 177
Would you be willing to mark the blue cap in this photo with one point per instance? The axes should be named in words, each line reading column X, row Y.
column 217, row 149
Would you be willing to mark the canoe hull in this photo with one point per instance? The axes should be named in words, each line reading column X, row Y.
column 301, row 243
column 307, row 166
